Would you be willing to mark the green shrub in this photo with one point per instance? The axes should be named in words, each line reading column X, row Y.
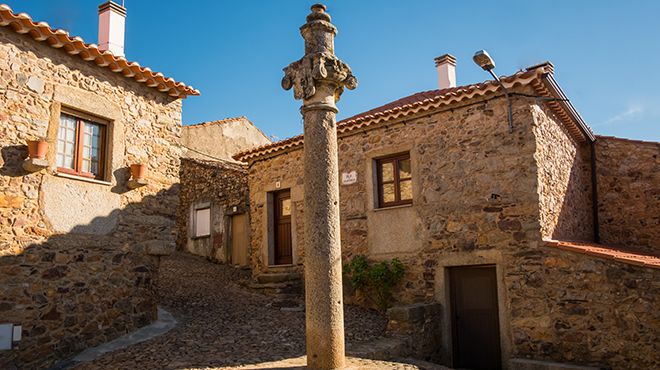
column 375, row 281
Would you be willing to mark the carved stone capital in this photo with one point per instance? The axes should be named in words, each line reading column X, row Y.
column 307, row 73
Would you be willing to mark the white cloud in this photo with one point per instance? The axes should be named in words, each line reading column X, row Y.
column 633, row 112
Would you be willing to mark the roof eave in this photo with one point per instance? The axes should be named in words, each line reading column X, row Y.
column 551, row 84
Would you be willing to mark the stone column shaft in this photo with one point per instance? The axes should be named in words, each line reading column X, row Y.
column 323, row 269
column 319, row 79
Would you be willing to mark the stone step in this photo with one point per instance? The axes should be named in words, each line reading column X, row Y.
column 380, row 349
column 293, row 288
column 279, row 277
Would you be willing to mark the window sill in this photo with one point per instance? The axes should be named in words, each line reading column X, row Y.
column 393, row 207
column 80, row 178
column 200, row 237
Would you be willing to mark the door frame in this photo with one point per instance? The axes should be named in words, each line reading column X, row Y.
column 443, row 296
column 269, row 250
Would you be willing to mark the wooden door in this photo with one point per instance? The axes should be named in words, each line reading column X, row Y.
column 239, row 239
column 475, row 320
column 282, row 220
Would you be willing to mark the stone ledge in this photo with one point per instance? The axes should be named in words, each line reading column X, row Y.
column 525, row 364
column 136, row 183
column 35, row 164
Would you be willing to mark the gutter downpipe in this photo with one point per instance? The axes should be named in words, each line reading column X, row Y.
column 554, row 88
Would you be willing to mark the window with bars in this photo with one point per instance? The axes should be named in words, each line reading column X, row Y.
column 394, row 180
column 81, row 147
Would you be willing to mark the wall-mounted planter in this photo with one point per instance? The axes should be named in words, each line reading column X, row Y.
column 36, row 160
column 138, row 171
column 138, row 175
column 37, row 149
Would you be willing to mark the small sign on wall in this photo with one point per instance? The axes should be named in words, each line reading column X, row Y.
column 348, row 178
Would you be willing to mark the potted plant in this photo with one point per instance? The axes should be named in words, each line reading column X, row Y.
column 37, row 149
column 138, row 171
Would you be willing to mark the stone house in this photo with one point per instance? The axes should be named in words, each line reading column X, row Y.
column 79, row 240
column 521, row 235
column 222, row 139
column 212, row 215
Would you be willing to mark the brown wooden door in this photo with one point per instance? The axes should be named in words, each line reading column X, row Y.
column 283, row 245
column 239, row 239
column 475, row 320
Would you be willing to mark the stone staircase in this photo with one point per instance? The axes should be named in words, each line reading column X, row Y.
column 280, row 283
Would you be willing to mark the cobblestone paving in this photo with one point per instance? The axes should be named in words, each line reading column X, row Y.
column 224, row 325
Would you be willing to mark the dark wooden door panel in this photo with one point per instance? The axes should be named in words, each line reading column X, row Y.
column 475, row 319
column 283, row 242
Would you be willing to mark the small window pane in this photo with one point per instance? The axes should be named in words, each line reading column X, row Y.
column 404, row 169
column 286, row 207
column 406, row 189
column 91, row 151
column 387, row 171
column 203, row 222
column 388, row 193
column 66, row 141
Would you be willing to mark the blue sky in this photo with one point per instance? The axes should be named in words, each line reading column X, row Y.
column 605, row 52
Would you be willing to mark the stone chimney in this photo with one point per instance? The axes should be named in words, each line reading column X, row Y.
column 446, row 66
column 112, row 19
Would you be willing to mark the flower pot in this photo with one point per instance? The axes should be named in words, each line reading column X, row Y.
column 37, row 149
column 138, row 171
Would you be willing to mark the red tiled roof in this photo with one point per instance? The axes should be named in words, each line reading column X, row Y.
column 622, row 254
column 60, row 39
column 424, row 101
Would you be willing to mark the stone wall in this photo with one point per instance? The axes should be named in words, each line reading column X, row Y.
column 564, row 180
column 221, row 139
column 628, row 192
column 42, row 213
column 482, row 195
column 573, row 308
column 474, row 187
column 223, row 185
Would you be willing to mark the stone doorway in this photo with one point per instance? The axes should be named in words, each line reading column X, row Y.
column 475, row 317
column 283, row 246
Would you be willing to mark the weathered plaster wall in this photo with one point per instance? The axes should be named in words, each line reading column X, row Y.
column 222, row 185
column 46, row 220
column 564, row 180
column 221, row 139
column 628, row 192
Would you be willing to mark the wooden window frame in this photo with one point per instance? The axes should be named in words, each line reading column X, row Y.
column 197, row 208
column 394, row 159
column 78, row 146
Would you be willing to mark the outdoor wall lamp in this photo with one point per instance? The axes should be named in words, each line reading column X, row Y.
column 483, row 60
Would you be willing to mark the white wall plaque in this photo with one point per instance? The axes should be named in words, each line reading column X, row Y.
column 348, row 178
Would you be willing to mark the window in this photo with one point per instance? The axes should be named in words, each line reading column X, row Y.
column 202, row 222
column 394, row 180
column 81, row 147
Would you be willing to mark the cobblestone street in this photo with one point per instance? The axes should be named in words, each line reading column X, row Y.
column 222, row 324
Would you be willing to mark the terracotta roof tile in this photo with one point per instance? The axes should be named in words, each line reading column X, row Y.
column 60, row 39
column 618, row 253
column 419, row 102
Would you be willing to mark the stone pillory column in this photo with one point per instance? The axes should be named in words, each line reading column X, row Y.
column 319, row 79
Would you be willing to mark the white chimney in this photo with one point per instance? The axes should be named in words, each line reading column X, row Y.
column 112, row 20
column 446, row 66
